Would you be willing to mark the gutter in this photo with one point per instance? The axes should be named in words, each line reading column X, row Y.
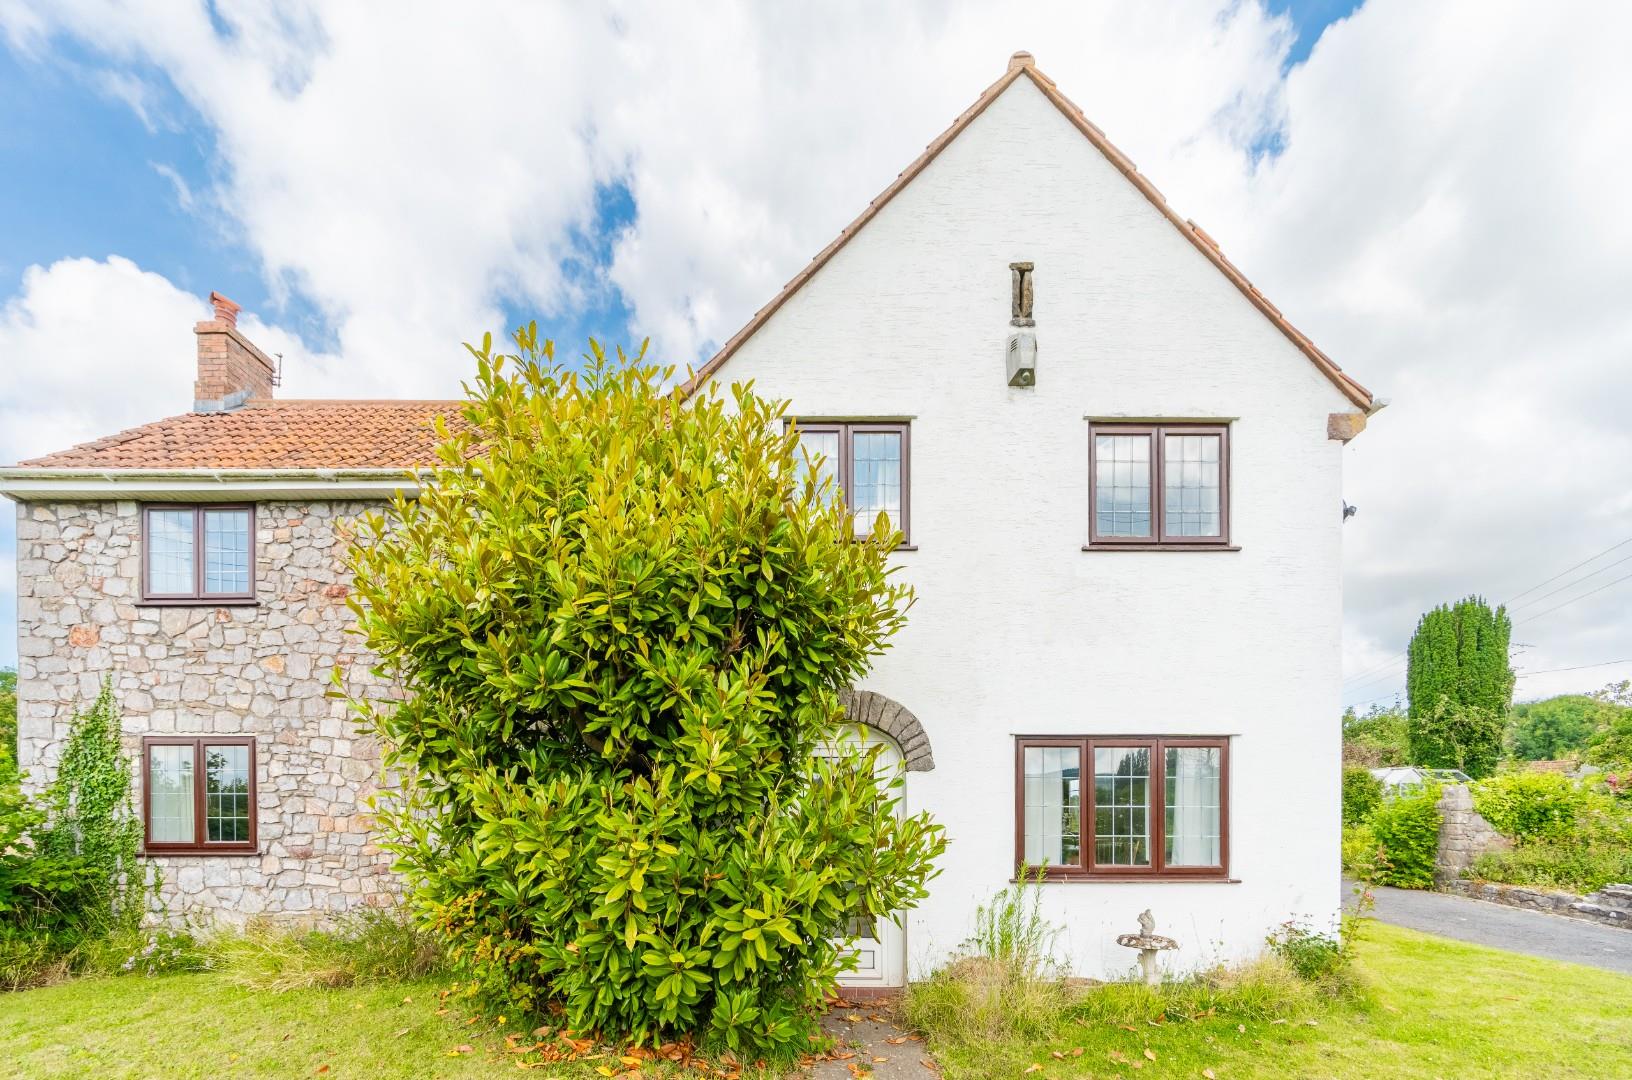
column 184, row 485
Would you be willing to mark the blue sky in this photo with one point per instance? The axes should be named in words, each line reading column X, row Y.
column 374, row 191
column 85, row 174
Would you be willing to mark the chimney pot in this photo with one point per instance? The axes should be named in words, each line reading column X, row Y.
column 231, row 370
column 225, row 310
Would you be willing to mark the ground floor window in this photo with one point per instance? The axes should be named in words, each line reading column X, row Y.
column 1122, row 806
column 198, row 794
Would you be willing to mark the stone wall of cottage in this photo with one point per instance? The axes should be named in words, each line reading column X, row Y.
column 261, row 671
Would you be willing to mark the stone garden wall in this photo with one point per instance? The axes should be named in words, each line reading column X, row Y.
column 1611, row 905
column 1464, row 835
column 261, row 671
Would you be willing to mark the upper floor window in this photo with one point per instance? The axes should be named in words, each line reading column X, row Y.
column 1159, row 484
column 868, row 465
column 198, row 553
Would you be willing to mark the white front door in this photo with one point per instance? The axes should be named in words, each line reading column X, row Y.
column 879, row 943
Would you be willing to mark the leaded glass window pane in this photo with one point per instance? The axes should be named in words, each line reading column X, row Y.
column 875, row 482
column 1122, row 485
column 1192, row 812
column 170, row 552
column 1121, row 806
column 822, row 450
column 1053, row 799
column 170, row 794
column 226, row 793
column 226, row 551
column 1191, row 486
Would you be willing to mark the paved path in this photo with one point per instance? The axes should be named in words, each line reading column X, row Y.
column 1502, row 927
column 871, row 1045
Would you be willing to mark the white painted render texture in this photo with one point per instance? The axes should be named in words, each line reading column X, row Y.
column 1019, row 631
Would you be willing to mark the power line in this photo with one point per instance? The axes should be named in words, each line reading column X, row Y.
column 1365, row 678
column 1572, row 584
column 1572, row 569
column 1578, row 667
column 1385, row 676
column 1567, row 603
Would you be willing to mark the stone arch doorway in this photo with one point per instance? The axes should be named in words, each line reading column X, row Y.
column 876, row 711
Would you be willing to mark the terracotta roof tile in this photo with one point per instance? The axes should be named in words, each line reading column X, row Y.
column 330, row 434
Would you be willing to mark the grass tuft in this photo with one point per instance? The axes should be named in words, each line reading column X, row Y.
column 370, row 947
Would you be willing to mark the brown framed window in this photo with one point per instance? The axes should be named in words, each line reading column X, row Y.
column 198, row 554
column 869, row 466
column 1163, row 485
column 1123, row 806
column 198, row 794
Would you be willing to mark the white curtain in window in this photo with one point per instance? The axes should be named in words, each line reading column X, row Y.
column 1192, row 806
column 1052, row 796
column 170, row 798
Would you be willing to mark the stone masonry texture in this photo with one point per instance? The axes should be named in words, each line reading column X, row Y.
column 261, row 671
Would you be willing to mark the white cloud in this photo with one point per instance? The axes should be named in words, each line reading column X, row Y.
column 1444, row 218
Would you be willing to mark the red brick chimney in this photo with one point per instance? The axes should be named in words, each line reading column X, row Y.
column 231, row 370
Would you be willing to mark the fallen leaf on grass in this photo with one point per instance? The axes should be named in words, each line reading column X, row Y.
column 321, row 1069
column 399, row 1034
column 1209, row 1074
column 898, row 1040
column 1149, row 1053
column 1242, row 1028
column 1034, row 1067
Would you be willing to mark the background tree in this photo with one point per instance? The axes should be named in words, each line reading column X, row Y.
column 619, row 622
column 8, row 720
column 1458, row 674
column 1376, row 738
column 1611, row 744
column 1556, row 727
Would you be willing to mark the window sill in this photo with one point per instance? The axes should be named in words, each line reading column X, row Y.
column 187, row 601
column 205, row 853
column 1128, row 879
column 1161, row 547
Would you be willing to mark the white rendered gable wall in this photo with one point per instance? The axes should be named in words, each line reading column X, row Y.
column 1016, row 629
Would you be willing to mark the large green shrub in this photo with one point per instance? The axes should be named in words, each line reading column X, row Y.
column 1530, row 806
column 1407, row 830
column 1362, row 795
column 39, row 893
column 619, row 622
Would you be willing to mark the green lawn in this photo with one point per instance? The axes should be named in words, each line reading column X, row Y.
column 203, row 1026
column 1437, row 1008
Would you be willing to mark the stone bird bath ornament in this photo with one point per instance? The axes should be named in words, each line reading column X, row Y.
column 1149, row 943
